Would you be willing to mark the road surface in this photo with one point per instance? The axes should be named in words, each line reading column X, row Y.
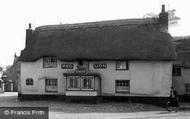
column 67, row 110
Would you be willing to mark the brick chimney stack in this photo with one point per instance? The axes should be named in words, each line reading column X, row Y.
column 163, row 8
column 163, row 20
column 28, row 35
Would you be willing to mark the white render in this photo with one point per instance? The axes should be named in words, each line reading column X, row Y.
column 147, row 78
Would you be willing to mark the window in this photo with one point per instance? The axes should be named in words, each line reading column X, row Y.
column 122, row 86
column 29, row 81
column 51, row 82
column 80, row 82
column 87, row 82
column 176, row 71
column 49, row 62
column 80, row 62
column 187, row 87
column 51, row 85
column 121, row 65
column 73, row 81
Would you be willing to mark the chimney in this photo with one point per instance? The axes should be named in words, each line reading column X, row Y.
column 163, row 20
column 15, row 55
column 163, row 8
column 30, row 26
column 28, row 35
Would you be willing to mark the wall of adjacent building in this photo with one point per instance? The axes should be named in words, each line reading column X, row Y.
column 179, row 81
column 147, row 78
column 13, row 76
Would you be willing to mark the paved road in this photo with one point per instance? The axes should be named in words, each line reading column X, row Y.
column 134, row 115
column 63, row 110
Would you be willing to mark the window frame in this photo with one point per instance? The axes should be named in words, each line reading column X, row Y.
column 89, row 79
column 175, row 70
column 48, row 83
column 29, row 82
column 122, row 91
column 126, row 65
column 77, row 79
column 52, row 63
column 187, row 88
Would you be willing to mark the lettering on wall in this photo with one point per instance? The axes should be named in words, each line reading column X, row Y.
column 67, row 66
column 100, row 66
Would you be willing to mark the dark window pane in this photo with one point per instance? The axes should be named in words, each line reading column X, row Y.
column 121, row 65
column 49, row 62
column 122, row 86
column 176, row 71
column 29, row 81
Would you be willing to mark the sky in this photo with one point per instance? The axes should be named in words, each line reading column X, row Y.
column 15, row 15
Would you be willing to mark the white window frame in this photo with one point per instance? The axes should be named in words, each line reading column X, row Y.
column 29, row 81
column 122, row 65
column 51, row 85
column 89, row 85
column 122, row 86
column 49, row 62
column 76, row 82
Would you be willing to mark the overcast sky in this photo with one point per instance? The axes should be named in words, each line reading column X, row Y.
column 16, row 14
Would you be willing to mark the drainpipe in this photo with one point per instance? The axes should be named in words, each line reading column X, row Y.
column 3, row 86
column 11, row 85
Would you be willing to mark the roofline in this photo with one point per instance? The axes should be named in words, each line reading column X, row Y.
column 74, row 60
column 39, row 28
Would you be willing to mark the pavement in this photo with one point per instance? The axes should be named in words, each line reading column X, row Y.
column 184, row 105
column 111, row 110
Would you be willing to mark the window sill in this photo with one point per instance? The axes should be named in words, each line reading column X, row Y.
column 49, row 67
column 51, row 91
column 81, row 90
column 86, row 89
column 122, row 69
column 177, row 75
column 122, row 92
column 73, row 89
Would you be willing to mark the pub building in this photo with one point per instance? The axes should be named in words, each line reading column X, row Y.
column 116, row 58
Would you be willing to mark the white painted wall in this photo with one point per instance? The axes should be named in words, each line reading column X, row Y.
column 36, row 71
column 146, row 78
column 109, row 75
column 151, row 78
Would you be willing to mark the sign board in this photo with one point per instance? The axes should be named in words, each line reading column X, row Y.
column 67, row 66
column 100, row 66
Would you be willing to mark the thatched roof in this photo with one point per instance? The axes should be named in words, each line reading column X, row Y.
column 182, row 47
column 130, row 39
